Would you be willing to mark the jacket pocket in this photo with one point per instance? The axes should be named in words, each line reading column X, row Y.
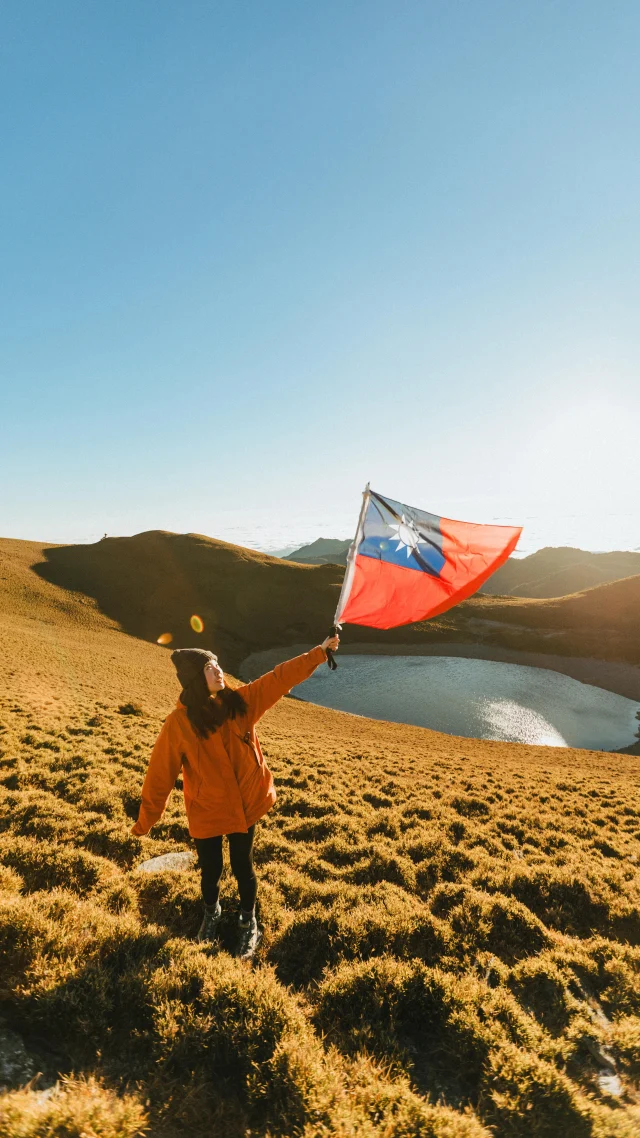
column 249, row 740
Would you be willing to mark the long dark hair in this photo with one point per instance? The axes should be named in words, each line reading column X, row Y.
column 206, row 712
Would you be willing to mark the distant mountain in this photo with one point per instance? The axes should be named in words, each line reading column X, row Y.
column 323, row 551
column 557, row 572
column 550, row 572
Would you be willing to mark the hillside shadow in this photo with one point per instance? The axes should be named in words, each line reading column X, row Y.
column 152, row 583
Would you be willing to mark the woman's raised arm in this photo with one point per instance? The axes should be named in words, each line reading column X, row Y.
column 261, row 694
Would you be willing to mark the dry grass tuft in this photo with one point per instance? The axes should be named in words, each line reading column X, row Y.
column 75, row 1108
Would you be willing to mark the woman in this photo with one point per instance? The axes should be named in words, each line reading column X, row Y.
column 227, row 784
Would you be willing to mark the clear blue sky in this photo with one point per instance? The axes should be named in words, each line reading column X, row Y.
column 256, row 254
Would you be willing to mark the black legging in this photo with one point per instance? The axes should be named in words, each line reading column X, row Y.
column 211, row 864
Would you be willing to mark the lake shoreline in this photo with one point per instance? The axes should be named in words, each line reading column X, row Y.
column 621, row 679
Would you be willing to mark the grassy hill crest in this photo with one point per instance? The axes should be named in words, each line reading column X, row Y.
column 151, row 583
column 558, row 571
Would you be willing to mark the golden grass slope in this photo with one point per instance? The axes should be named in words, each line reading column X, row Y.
column 57, row 646
column 452, row 928
column 602, row 622
column 153, row 582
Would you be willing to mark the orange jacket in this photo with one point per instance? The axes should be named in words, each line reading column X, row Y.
column 227, row 784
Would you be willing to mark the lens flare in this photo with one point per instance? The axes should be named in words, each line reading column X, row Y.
column 166, row 638
column 197, row 623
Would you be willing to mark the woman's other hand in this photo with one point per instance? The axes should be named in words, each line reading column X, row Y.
column 332, row 643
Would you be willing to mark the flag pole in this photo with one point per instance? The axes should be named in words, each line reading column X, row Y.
column 349, row 573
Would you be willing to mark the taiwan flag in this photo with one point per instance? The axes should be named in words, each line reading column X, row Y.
column 406, row 565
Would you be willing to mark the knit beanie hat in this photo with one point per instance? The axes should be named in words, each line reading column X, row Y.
column 189, row 662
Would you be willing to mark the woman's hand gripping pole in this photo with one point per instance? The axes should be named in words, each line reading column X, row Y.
column 331, row 645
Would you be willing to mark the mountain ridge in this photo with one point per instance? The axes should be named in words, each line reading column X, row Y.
column 153, row 582
column 552, row 571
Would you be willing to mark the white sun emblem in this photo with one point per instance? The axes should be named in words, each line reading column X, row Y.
column 407, row 535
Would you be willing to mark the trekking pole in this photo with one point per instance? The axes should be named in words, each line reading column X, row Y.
column 349, row 573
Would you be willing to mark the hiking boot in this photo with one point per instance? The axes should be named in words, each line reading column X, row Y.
column 210, row 921
column 249, row 937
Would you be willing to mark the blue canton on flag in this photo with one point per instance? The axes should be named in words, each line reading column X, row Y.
column 402, row 535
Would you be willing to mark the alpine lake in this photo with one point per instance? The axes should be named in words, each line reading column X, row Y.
column 480, row 699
